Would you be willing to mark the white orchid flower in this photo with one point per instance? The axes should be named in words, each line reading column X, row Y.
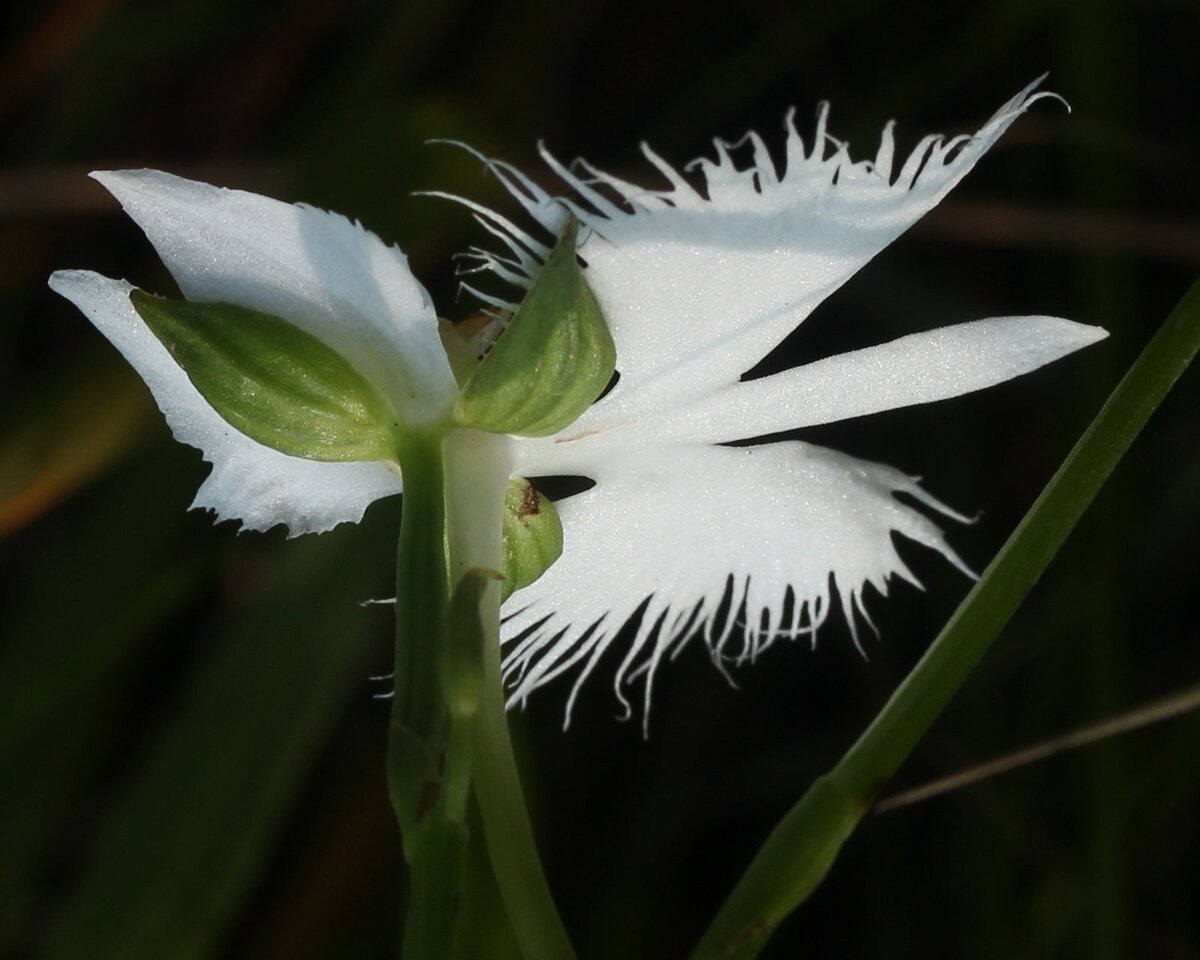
column 697, row 286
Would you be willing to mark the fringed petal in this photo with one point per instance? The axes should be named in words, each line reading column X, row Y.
column 741, row 546
column 259, row 486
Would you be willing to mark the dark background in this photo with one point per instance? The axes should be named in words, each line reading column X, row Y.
column 190, row 755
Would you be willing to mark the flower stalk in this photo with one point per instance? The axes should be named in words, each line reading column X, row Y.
column 449, row 734
column 422, row 595
column 422, row 588
column 434, row 843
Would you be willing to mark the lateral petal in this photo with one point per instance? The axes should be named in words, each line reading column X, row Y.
column 327, row 275
column 249, row 482
column 919, row 368
column 772, row 534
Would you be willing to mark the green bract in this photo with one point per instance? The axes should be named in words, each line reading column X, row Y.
column 274, row 382
column 555, row 358
column 533, row 536
column 462, row 658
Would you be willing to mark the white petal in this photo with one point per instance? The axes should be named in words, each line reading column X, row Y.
column 250, row 482
column 327, row 275
column 672, row 530
column 919, row 368
column 697, row 290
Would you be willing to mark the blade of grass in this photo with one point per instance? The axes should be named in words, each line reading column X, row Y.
column 188, row 843
column 802, row 847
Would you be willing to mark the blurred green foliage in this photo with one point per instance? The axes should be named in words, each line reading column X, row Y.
column 190, row 755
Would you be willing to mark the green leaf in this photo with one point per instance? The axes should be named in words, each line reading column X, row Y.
column 274, row 382
column 804, row 844
column 553, row 361
column 533, row 537
column 412, row 780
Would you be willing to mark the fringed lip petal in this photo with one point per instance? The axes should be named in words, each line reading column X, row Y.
column 919, row 368
column 329, row 276
column 788, row 528
column 249, row 482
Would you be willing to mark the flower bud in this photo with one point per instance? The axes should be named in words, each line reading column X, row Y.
column 533, row 537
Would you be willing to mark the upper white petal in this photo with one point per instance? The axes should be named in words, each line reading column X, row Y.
column 250, row 482
column 326, row 274
column 920, row 368
column 698, row 287
column 675, row 530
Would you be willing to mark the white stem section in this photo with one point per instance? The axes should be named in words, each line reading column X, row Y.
column 478, row 466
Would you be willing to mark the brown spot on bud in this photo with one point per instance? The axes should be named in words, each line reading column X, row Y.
column 529, row 502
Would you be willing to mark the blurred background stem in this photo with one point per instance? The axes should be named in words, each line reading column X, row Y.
column 1098, row 74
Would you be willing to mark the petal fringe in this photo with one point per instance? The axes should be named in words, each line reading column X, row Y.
column 741, row 546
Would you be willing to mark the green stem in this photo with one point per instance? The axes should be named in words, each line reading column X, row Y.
column 422, row 590
column 439, row 864
column 508, row 832
column 433, row 846
column 418, row 715
column 802, row 847
column 477, row 474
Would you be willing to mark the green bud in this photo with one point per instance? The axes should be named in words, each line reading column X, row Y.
column 274, row 382
column 533, row 536
column 553, row 360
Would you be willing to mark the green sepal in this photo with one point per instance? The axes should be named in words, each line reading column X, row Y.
column 554, row 359
column 532, row 532
column 272, row 381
